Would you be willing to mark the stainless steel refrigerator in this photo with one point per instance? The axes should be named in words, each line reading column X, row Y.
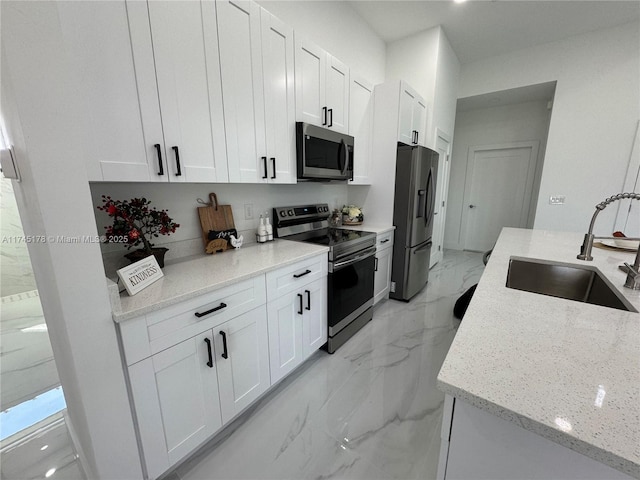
column 413, row 207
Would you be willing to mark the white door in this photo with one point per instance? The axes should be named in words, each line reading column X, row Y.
column 242, row 359
column 314, row 328
column 361, row 128
column 498, row 191
column 285, row 334
column 242, row 89
column 185, row 73
column 176, row 399
column 311, row 63
column 443, row 145
column 279, row 96
column 337, row 95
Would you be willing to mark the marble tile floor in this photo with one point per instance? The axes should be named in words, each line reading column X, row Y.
column 370, row 411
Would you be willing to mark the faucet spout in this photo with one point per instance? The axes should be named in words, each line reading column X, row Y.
column 633, row 275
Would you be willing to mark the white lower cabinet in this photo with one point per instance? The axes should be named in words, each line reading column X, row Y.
column 382, row 279
column 194, row 366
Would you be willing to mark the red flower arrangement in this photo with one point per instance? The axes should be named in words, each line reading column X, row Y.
column 134, row 222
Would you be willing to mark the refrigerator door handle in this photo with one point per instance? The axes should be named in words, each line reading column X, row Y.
column 421, row 203
column 424, row 247
column 429, row 200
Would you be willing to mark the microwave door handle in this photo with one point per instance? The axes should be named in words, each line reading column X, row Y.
column 347, row 159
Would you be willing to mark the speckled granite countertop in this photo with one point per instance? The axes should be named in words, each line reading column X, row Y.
column 565, row 370
column 365, row 227
column 204, row 273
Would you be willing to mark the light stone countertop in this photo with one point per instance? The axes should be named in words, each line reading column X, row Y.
column 365, row 227
column 201, row 274
column 566, row 370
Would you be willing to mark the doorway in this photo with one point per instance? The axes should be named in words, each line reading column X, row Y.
column 498, row 194
column 443, row 147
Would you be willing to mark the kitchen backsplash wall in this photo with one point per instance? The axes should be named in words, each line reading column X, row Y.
column 181, row 201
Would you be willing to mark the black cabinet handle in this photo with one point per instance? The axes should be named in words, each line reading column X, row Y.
column 210, row 362
column 300, row 308
column 264, row 159
column 331, row 117
column 159, row 151
column 376, row 267
column 385, row 240
column 178, row 171
column 417, row 136
column 306, row 272
column 225, row 352
column 324, row 115
column 214, row 309
column 308, row 307
column 273, row 160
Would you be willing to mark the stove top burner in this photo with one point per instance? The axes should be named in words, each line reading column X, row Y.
column 330, row 236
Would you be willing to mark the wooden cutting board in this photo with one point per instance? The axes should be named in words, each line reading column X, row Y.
column 214, row 216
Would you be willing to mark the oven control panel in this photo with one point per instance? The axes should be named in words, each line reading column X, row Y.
column 301, row 212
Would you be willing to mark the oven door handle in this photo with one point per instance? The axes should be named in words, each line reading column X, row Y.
column 369, row 252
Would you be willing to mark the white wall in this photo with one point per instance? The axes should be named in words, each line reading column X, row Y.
column 596, row 107
column 446, row 90
column 488, row 126
column 54, row 199
column 337, row 28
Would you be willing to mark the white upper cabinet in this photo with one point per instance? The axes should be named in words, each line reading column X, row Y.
column 187, row 72
column 361, row 128
column 280, row 98
column 115, row 144
column 322, row 88
column 412, row 117
column 256, row 56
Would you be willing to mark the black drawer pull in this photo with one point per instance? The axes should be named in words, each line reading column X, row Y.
column 214, row 309
column 324, row 115
column 306, row 272
column 159, row 151
column 300, row 309
column 376, row 267
column 331, row 117
column 385, row 240
column 308, row 307
column 264, row 159
column 210, row 362
column 225, row 352
column 273, row 159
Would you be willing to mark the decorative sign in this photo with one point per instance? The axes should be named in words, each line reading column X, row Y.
column 140, row 275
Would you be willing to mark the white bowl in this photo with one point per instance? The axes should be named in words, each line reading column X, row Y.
column 628, row 244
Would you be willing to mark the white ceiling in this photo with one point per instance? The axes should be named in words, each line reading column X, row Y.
column 480, row 29
column 530, row 93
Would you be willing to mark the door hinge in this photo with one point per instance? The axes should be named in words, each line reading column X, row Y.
column 439, row 247
column 392, row 288
column 443, row 203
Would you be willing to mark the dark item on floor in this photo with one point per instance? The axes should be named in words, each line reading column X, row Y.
column 462, row 303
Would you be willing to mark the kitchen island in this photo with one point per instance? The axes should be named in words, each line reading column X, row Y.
column 567, row 371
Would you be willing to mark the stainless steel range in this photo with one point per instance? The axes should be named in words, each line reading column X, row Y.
column 351, row 266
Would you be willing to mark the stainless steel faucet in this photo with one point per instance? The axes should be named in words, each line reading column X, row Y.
column 633, row 271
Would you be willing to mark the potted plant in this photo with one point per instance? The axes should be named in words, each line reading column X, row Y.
column 134, row 224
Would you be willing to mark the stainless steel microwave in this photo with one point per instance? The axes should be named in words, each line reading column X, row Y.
column 323, row 154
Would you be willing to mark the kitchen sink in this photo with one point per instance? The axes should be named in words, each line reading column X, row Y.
column 581, row 284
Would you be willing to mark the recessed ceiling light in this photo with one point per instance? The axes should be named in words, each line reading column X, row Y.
column 44, row 447
column 50, row 472
column 459, row 1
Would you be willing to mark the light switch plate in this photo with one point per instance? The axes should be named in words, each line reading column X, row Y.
column 248, row 211
column 556, row 199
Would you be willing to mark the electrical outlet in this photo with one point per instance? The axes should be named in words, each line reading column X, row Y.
column 556, row 199
column 248, row 211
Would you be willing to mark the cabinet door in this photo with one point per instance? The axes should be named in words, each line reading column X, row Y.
column 361, row 128
column 242, row 89
column 419, row 121
column 279, row 96
column 405, row 122
column 285, row 333
column 382, row 277
column 176, row 400
column 314, row 327
column 111, row 130
column 310, row 70
column 186, row 62
column 337, row 96
column 243, row 371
